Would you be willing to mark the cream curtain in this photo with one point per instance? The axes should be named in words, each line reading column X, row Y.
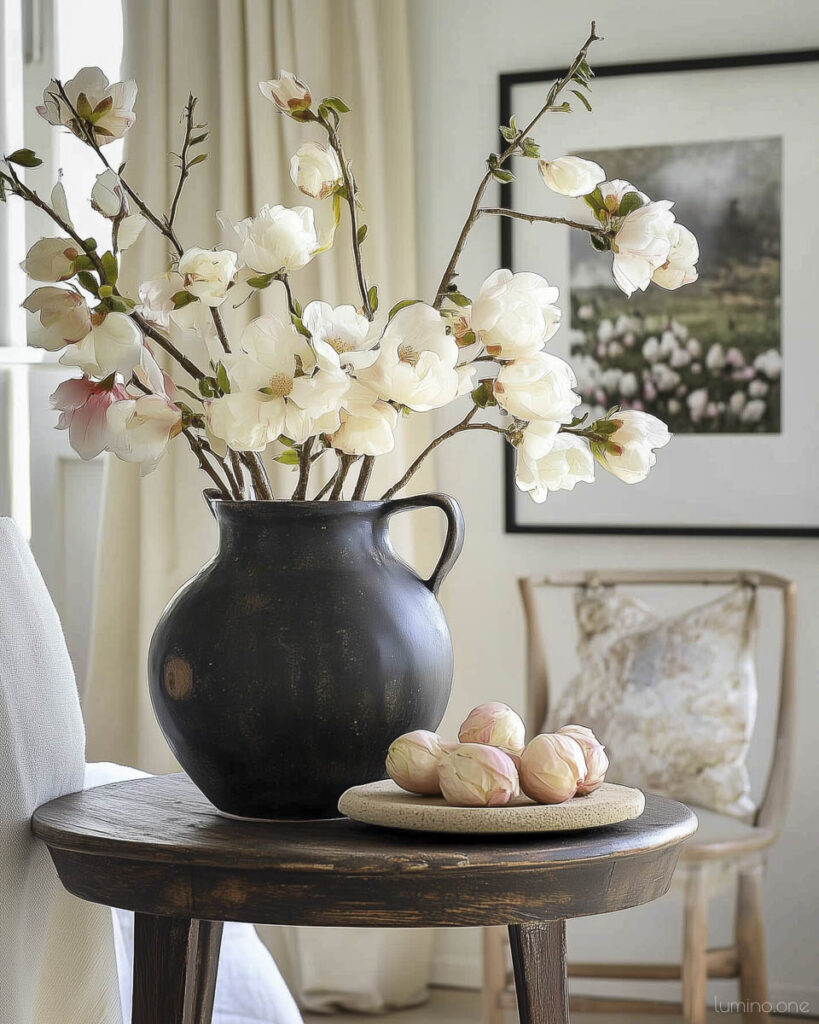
column 156, row 532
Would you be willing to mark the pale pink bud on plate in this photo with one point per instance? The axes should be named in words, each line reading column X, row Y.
column 551, row 768
column 496, row 724
column 476, row 775
column 412, row 761
column 594, row 754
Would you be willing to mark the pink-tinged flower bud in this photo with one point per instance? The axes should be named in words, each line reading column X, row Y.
column 476, row 775
column 289, row 94
column 551, row 768
column 594, row 754
column 496, row 724
column 412, row 761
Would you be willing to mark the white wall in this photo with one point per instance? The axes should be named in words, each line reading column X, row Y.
column 460, row 46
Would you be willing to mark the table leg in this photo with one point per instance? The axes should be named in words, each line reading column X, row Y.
column 175, row 964
column 539, row 961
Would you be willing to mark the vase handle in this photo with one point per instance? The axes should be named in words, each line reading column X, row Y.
column 454, row 534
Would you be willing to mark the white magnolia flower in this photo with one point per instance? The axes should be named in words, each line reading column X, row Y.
column 697, row 402
column 208, row 273
column 680, row 265
column 515, row 314
column 108, row 196
column 715, row 357
column 191, row 329
column 638, row 435
column 315, row 170
column 288, row 93
column 551, row 461
column 130, row 228
column 537, row 387
column 758, row 389
column 367, row 424
column 668, row 343
column 665, row 378
column 753, row 411
column 243, row 422
column 628, row 385
column 614, row 190
column 83, row 406
column 278, row 238
column 571, row 175
column 64, row 316
column 737, row 401
column 770, row 363
column 610, row 378
column 694, row 346
column 142, row 429
column 156, row 297
column 605, row 330
column 416, row 361
column 108, row 109
column 641, row 245
column 112, row 346
column 651, row 349
column 344, row 330
column 51, row 259
column 680, row 357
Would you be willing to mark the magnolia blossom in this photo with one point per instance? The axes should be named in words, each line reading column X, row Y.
column 753, row 411
column 715, row 357
column 345, row 330
column 641, row 245
column 278, row 238
column 63, row 313
column 51, row 259
column 288, row 93
column 416, row 361
column 614, row 191
column 515, row 314
column 367, row 424
column 551, row 461
column 537, row 387
column 593, row 754
column 83, row 405
column 571, row 175
column 114, row 345
column 107, row 109
column 496, row 724
column 412, row 761
column 697, row 402
column 680, row 265
column 315, row 170
column 551, row 768
column 156, row 298
column 208, row 273
column 770, row 363
column 474, row 775
column 108, row 196
column 142, row 428
column 638, row 436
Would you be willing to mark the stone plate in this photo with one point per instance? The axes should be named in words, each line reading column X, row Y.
column 385, row 804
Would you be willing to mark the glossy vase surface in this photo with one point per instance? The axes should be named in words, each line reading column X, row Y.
column 283, row 670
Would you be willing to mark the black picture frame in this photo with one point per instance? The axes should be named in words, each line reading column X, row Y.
column 507, row 81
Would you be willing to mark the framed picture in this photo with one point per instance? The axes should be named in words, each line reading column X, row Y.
column 730, row 362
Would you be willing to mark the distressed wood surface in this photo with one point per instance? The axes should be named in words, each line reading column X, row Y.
column 539, row 964
column 157, row 846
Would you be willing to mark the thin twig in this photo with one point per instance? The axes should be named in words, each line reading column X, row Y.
column 346, row 462
column 198, row 450
column 534, row 218
column 330, row 483
column 261, row 483
column 184, row 167
column 554, row 92
column 300, row 493
column 364, row 475
column 457, row 429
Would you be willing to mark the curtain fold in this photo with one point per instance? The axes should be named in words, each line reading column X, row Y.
column 156, row 532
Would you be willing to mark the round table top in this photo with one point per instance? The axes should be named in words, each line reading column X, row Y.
column 157, row 845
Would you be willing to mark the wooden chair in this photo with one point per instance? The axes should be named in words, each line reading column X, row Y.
column 741, row 848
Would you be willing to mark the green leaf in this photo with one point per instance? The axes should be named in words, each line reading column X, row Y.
column 362, row 233
column 466, row 340
column 595, row 200
column 482, row 395
column 600, row 243
column 110, row 266
column 89, row 282
column 492, row 161
column 198, row 159
column 401, row 305
column 182, row 298
column 372, row 298
column 630, row 202
column 288, row 458
column 297, row 323
column 458, row 298
column 206, row 388
column 83, row 107
column 508, row 133
column 530, row 147
column 334, row 103
column 297, row 308
column 562, row 108
column 499, row 174
column 583, row 99
column 83, row 262
column 286, row 441
column 222, row 378
column 188, row 392
column 199, row 138
column 262, row 281
column 24, row 158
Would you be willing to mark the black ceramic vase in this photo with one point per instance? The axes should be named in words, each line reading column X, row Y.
column 283, row 670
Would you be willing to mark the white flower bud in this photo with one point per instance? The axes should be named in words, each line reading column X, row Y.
column 571, row 175
column 594, row 754
column 412, row 761
column 288, row 93
column 474, row 775
column 495, row 724
column 208, row 273
column 315, row 170
column 551, row 768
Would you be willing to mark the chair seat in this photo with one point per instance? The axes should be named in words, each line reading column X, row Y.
column 720, row 836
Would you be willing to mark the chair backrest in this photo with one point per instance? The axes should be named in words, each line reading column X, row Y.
column 770, row 812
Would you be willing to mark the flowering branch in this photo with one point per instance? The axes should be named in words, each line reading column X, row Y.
column 510, row 150
column 534, row 218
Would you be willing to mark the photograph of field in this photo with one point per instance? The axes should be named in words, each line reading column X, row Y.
column 706, row 358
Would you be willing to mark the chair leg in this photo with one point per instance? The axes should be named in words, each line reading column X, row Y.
column 539, row 963
column 494, row 973
column 750, row 937
column 695, row 945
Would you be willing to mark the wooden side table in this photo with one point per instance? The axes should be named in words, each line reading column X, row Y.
column 156, row 846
